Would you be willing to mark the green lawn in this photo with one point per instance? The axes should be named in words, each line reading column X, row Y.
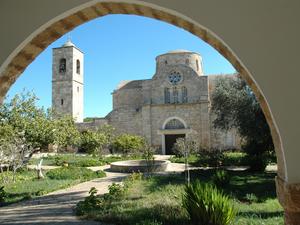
column 229, row 159
column 27, row 186
column 79, row 160
column 159, row 199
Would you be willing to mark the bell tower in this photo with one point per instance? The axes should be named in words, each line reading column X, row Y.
column 67, row 81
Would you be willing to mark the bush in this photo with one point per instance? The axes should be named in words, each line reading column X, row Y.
column 91, row 202
column 221, row 178
column 74, row 173
column 93, row 142
column 149, row 222
column 205, row 204
column 251, row 198
column 2, row 195
column 115, row 191
column 257, row 163
column 183, row 145
column 211, row 157
column 128, row 144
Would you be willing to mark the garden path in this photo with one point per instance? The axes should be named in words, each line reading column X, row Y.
column 57, row 207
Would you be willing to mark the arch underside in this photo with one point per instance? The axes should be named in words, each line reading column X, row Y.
column 64, row 24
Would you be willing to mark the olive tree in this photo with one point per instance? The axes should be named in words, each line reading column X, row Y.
column 236, row 106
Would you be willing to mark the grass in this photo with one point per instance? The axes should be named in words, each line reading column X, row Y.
column 79, row 160
column 230, row 159
column 159, row 199
column 27, row 186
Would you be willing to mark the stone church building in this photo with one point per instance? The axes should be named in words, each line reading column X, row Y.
column 174, row 103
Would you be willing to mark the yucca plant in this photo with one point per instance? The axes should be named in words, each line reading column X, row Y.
column 206, row 205
column 221, row 178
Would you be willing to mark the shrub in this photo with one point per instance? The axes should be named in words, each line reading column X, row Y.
column 183, row 145
column 128, row 144
column 74, row 173
column 257, row 163
column 221, row 178
column 149, row 222
column 2, row 194
column 91, row 202
column 205, row 204
column 210, row 157
column 251, row 198
column 93, row 142
column 115, row 191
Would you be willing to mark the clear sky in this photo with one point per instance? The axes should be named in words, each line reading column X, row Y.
column 116, row 47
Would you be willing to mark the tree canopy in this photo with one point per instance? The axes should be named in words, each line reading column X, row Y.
column 235, row 106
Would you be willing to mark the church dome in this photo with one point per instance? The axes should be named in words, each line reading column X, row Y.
column 180, row 57
column 178, row 51
column 69, row 43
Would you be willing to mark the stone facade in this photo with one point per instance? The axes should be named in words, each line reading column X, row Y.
column 174, row 103
column 67, row 81
column 178, row 91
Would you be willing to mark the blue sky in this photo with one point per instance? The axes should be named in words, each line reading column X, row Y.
column 116, row 47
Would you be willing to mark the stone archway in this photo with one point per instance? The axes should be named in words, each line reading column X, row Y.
column 43, row 36
column 173, row 128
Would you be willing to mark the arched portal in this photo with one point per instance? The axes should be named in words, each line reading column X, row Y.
column 172, row 129
column 35, row 42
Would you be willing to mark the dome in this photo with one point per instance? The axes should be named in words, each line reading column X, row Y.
column 69, row 43
column 179, row 51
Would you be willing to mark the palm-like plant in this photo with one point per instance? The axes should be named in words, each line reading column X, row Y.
column 206, row 205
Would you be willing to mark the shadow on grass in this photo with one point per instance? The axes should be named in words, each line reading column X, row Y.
column 166, row 214
column 261, row 214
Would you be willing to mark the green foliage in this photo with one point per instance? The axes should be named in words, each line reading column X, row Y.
column 115, row 191
column 251, row 198
column 26, row 186
column 2, row 194
column 92, row 202
column 258, row 163
column 207, row 205
column 236, row 106
column 74, row 173
column 185, row 145
column 148, row 156
column 157, row 199
column 149, row 222
column 127, row 144
column 221, row 178
column 210, row 157
column 93, row 142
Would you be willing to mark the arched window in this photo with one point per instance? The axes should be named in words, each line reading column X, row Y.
column 62, row 65
column 184, row 95
column 167, row 96
column 62, row 102
column 166, row 62
column 197, row 64
column 175, row 95
column 174, row 124
column 77, row 66
column 77, row 89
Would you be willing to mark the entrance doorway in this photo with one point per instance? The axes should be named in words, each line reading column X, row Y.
column 170, row 140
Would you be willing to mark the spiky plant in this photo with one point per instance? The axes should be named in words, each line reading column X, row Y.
column 206, row 205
